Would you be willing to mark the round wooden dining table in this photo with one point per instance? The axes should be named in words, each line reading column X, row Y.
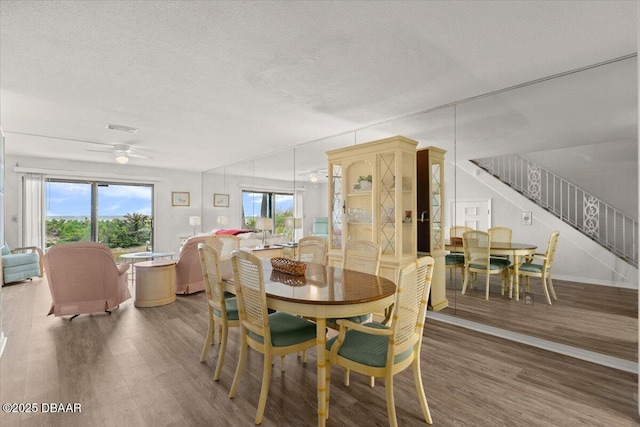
column 325, row 293
column 516, row 250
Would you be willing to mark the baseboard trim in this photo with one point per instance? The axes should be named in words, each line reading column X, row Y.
column 578, row 353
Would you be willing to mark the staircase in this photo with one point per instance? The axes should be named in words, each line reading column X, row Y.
column 593, row 217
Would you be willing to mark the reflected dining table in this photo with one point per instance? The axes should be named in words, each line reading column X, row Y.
column 324, row 293
column 515, row 250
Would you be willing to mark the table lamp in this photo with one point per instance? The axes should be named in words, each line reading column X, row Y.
column 264, row 224
column 293, row 224
column 194, row 221
column 222, row 221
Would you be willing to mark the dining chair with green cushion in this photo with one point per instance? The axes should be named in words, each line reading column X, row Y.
column 543, row 271
column 477, row 259
column 501, row 234
column 312, row 249
column 222, row 311
column 455, row 259
column 383, row 351
column 224, row 244
column 21, row 263
column 275, row 334
column 362, row 256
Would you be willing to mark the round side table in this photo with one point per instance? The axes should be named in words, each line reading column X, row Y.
column 155, row 283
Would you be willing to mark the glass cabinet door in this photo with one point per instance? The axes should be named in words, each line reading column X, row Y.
column 358, row 203
column 387, row 200
column 337, row 206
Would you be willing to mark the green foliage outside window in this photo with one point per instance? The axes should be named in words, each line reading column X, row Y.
column 130, row 231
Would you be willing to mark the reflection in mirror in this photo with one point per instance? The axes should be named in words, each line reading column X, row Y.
column 582, row 125
column 311, row 180
column 582, row 128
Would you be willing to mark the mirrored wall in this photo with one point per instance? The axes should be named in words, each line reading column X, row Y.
column 560, row 119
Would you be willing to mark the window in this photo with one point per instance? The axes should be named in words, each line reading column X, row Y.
column 257, row 204
column 118, row 215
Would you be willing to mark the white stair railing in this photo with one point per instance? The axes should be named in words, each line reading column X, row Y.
column 595, row 218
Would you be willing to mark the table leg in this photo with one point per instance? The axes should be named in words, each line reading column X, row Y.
column 517, row 276
column 322, row 370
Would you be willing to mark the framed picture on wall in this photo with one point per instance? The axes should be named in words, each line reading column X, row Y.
column 220, row 200
column 180, row 198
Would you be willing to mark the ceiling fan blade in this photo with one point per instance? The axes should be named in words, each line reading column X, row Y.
column 139, row 156
column 100, row 151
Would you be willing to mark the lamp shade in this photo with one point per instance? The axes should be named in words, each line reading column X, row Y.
column 194, row 221
column 222, row 220
column 264, row 223
column 293, row 223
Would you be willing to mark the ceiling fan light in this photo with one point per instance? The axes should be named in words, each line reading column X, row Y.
column 313, row 178
column 122, row 158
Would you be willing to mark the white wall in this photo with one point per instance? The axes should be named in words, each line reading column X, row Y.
column 169, row 222
column 578, row 258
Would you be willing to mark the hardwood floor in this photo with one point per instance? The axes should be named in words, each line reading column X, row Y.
column 598, row 318
column 139, row 367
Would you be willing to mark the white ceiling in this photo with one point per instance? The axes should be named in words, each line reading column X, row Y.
column 208, row 83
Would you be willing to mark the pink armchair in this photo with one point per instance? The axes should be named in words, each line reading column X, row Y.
column 189, row 277
column 84, row 278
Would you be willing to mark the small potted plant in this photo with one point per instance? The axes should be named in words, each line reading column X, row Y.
column 364, row 182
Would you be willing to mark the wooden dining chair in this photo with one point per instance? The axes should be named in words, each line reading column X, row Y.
column 275, row 334
column 222, row 311
column 224, row 244
column 455, row 259
column 477, row 259
column 312, row 249
column 362, row 256
column 383, row 351
column 500, row 234
column 543, row 271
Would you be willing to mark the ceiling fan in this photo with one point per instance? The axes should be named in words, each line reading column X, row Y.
column 314, row 174
column 121, row 153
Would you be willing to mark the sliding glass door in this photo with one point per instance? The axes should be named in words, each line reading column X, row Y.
column 118, row 215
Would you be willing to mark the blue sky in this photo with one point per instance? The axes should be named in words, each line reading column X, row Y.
column 74, row 199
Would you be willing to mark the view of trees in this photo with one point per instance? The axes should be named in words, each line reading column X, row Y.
column 129, row 231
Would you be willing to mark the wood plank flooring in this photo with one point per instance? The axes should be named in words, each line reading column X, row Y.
column 598, row 318
column 139, row 367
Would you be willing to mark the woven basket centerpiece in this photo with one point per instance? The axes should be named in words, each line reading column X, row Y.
column 289, row 266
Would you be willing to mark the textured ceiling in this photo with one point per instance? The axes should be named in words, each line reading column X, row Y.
column 208, row 83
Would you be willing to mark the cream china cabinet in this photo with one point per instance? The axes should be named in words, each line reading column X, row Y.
column 430, row 219
column 372, row 196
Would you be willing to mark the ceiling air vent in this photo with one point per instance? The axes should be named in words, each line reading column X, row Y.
column 121, row 127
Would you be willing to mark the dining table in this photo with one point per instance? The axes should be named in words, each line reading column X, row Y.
column 515, row 250
column 324, row 292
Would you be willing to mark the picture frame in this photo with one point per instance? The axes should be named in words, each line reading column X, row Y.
column 220, row 200
column 180, row 198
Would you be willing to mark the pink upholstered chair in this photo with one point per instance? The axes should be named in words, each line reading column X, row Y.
column 84, row 278
column 189, row 278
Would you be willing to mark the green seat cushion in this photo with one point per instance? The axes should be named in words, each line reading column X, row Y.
column 355, row 319
column 287, row 330
column 232, row 309
column 13, row 260
column 500, row 261
column 532, row 268
column 367, row 349
column 492, row 266
column 453, row 259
